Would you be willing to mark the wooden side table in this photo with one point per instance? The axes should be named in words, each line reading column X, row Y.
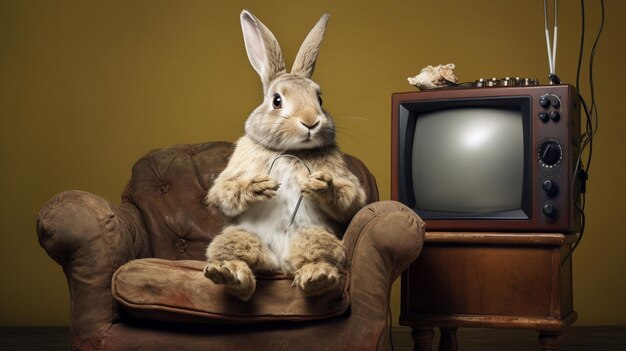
column 489, row 280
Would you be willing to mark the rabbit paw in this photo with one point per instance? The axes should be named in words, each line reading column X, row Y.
column 317, row 183
column 236, row 276
column 262, row 188
column 317, row 278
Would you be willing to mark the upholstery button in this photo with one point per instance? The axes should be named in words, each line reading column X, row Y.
column 109, row 222
column 194, row 150
column 163, row 188
column 181, row 245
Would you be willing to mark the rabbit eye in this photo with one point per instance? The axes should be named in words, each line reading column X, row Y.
column 319, row 99
column 277, row 101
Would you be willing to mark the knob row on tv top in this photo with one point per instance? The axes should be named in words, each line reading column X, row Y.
column 505, row 82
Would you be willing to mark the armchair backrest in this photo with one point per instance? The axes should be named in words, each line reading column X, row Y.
column 168, row 187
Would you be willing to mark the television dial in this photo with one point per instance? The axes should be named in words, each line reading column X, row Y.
column 550, row 187
column 554, row 115
column 550, row 153
column 548, row 100
column 549, row 210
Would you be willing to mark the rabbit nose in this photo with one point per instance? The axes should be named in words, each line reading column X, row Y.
column 310, row 126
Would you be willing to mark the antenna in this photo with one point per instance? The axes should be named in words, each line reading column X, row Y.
column 554, row 79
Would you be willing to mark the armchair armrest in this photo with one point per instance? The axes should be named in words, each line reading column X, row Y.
column 382, row 240
column 90, row 238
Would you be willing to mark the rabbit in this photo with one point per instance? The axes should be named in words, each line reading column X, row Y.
column 286, row 188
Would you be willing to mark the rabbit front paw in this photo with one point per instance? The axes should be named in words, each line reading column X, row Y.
column 261, row 188
column 316, row 184
column 235, row 196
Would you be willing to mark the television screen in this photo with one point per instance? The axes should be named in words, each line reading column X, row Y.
column 470, row 161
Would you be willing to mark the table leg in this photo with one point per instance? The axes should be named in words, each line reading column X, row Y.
column 422, row 339
column 447, row 341
column 550, row 340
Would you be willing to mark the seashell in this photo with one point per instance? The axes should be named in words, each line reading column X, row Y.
column 435, row 77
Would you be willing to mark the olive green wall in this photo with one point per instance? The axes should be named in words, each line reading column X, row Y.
column 86, row 88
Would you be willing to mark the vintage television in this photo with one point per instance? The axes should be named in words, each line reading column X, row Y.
column 499, row 158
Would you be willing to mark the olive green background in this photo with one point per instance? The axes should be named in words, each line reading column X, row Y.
column 88, row 87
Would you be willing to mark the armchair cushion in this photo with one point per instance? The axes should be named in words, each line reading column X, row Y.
column 177, row 291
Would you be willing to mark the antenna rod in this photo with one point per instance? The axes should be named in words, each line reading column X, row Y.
column 554, row 79
column 545, row 21
column 556, row 35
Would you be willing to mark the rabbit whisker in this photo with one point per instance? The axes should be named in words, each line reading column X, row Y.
column 285, row 116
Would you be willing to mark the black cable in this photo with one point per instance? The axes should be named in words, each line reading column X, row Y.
column 582, row 43
column 581, row 175
column 594, row 107
column 591, row 127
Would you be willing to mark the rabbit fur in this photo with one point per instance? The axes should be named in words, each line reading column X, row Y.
column 286, row 160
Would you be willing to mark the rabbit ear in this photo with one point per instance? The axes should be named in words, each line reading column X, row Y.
column 262, row 48
column 307, row 55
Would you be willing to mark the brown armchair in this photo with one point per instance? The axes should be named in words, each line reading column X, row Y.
column 134, row 270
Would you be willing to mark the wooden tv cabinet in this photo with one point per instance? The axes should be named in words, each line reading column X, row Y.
column 488, row 280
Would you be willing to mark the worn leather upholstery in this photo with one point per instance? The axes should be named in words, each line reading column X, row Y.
column 185, row 295
column 162, row 220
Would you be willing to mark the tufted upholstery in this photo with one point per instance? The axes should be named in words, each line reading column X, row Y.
column 168, row 187
column 162, row 217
